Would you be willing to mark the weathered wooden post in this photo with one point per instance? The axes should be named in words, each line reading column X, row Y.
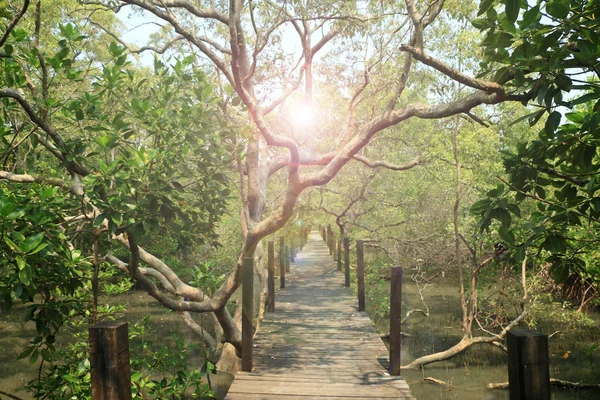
column 247, row 311
column 281, row 262
column 292, row 247
column 347, row 262
column 287, row 258
column 528, row 365
column 339, row 254
column 360, row 274
column 109, row 361
column 395, row 320
column 330, row 241
column 333, row 247
column 271, row 276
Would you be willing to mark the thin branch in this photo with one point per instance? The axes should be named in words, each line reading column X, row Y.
column 14, row 22
column 384, row 164
column 456, row 75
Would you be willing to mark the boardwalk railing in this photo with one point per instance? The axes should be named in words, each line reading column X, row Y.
column 528, row 358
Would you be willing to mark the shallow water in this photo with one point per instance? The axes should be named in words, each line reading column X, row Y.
column 470, row 372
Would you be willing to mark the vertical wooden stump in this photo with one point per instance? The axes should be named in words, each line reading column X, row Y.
column 109, row 361
column 360, row 274
column 271, row 277
column 339, row 254
column 347, row 262
column 528, row 365
column 395, row 320
column 287, row 258
column 333, row 248
column 281, row 262
column 247, row 312
column 292, row 248
column 329, row 233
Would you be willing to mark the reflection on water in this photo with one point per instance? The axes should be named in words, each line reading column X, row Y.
column 469, row 372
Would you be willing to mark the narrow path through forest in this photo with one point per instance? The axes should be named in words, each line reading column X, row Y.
column 317, row 345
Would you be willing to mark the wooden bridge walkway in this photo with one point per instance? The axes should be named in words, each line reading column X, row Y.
column 317, row 345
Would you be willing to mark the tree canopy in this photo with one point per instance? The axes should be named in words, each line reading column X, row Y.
column 110, row 163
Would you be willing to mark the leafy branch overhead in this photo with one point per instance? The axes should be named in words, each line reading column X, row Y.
column 551, row 51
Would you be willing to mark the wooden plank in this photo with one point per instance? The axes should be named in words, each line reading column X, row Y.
column 287, row 388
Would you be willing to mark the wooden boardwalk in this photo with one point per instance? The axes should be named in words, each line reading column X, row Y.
column 317, row 345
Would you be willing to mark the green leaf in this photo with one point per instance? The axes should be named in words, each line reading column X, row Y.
column 588, row 155
column 507, row 235
column 115, row 50
column 555, row 244
column 519, row 254
column 552, row 123
column 21, row 263
column 117, row 219
column 501, row 215
column 33, row 241
column 557, row 9
column 560, row 272
column 220, row 177
column 513, row 208
column 512, row 9
column 481, row 23
column 584, row 99
column 39, row 248
column 484, row 6
column 47, row 193
column 529, row 17
column 12, row 244
column 99, row 219
column 480, row 206
column 15, row 215
column 577, row 117
column 25, row 275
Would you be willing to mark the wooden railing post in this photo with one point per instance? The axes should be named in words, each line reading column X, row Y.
column 271, row 277
column 247, row 311
column 528, row 365
column 330, row 239
column 339, row 254
column 281, row 262
column 360, row 274
column 333, row 247
column 287, row 258
column 292, row 248
column 347, row 262
column 395, row 320
column 109, row 361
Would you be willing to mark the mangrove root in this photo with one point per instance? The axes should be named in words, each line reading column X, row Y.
column 553, row 382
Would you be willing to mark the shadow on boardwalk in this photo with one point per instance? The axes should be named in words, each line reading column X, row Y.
column 317, row 345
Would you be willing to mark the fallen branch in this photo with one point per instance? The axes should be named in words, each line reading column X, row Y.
column 553, row 382
column 436, row 381
column 11, row 396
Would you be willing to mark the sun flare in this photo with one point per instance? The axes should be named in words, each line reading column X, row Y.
column 302, row 116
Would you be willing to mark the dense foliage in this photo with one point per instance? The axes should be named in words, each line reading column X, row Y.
column 550, row 50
